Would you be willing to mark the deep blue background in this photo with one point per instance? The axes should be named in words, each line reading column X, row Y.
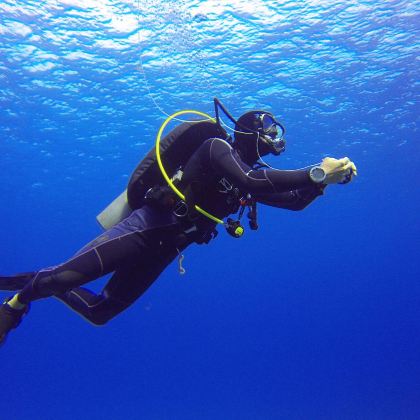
column 315, row 316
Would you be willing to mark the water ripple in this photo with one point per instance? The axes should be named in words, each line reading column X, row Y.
column 77, row 68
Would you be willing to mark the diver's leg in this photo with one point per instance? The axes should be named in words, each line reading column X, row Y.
column 130, row 240
column 123, row 289
column 101, row 259
column 19, row 281
column 100, row 308
column 84, row 267
column 91, row 306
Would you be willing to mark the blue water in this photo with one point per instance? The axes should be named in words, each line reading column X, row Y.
column 315, row 316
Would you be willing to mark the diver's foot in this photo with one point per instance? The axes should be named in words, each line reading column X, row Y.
column 9, row 319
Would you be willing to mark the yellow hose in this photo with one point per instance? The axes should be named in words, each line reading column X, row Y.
column 162, row 169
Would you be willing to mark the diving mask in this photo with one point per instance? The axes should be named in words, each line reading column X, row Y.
column 272, row 133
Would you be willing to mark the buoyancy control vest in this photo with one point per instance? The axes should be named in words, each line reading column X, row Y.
column 176, row 148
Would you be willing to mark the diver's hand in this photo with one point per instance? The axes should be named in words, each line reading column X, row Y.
column 338, row 171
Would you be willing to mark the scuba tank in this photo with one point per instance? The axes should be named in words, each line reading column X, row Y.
column 175, row 149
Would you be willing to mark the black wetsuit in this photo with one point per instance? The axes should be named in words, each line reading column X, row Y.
column 139, row 248
column 216, row 173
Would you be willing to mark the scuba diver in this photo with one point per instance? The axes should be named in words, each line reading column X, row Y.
column 193, row 179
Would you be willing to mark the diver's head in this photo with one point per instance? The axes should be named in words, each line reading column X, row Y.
column 257, row 133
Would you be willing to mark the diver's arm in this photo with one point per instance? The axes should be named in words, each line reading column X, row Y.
column 266, row 181
column 292, row 200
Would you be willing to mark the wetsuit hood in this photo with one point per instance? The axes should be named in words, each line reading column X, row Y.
column 257, row 133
